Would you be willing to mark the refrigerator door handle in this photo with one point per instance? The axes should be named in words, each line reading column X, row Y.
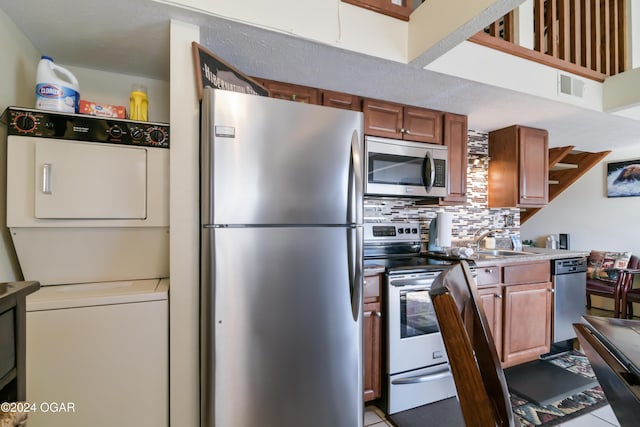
column 355, row 196
column 354, row 243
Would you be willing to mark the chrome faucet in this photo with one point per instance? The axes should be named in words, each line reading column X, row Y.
column 480, row 235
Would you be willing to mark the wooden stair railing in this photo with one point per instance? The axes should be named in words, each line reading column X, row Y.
column 566, row 166
column 583, row 37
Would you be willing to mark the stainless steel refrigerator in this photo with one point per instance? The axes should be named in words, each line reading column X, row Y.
column 281, row 277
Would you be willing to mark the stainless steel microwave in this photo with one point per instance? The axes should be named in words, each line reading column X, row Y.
column 405, row 168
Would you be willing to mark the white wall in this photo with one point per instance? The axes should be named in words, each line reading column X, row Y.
column 18, row 76
column 185, row 231
column 114, row 89
column 584, row 211
column 331, row 22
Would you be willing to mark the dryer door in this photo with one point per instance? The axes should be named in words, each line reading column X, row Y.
column 76, row 180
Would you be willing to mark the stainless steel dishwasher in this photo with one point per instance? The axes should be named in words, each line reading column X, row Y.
column 569, row 284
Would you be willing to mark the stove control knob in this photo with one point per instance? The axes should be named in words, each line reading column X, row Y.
column 156, row 136
column 407, row 230
column 414, row 230
column 400, row 230
column 115, row 131
column 24, row 123
column 136, row 134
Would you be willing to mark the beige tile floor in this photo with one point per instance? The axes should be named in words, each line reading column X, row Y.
column 602, row 417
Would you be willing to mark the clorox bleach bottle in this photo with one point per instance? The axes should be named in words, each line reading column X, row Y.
column 54, row 93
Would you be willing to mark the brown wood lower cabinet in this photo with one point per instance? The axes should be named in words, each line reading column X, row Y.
column 372, row 324
column 491, row 300
column 527, row 322
column 372, row 330
column 517, row 301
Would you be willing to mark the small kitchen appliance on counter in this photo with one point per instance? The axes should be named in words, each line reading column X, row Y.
column 417, row 370
column 440, row 232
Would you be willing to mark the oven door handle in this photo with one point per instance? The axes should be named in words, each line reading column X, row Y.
column 423, row 378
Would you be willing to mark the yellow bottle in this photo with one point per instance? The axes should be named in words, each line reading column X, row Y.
column 139, row 103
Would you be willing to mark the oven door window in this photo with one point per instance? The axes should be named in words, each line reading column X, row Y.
column 395, row 169
column 417, row 316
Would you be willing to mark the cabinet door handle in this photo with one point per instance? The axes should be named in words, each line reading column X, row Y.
column 488, row 270
column 552, row 290
column 378, row 314
column 402, row 130
column 498, row 296
column 407, row 131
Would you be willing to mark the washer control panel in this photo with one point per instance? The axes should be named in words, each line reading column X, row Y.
column 80, row 127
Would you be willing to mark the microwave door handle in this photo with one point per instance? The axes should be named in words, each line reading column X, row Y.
column 428, row 172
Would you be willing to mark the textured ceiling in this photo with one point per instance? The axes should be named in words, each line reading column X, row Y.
column 132, row 37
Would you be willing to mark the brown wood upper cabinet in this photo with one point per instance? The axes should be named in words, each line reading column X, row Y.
column 518, row 167
column 341, row 100
column 455, row 138
column 298, row 93
column 390, row 120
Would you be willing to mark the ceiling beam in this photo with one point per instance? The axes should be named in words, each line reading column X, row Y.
column 437, row 26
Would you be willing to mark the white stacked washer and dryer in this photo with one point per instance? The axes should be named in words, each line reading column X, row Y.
column 88, row 212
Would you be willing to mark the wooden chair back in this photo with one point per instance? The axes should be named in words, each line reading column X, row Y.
column 477, row 373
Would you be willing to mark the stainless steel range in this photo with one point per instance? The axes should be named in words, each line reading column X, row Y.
column 417, row 369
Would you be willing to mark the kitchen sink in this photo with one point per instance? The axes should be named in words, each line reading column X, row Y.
column 503, row 252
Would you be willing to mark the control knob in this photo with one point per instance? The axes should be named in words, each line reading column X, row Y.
column 156, row 136
column 136, row 134
column 115, row 131
column 24, row 123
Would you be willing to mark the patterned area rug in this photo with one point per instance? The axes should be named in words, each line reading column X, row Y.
column 566, row 409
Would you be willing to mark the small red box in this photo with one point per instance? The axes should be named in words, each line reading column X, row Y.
column 102, row 110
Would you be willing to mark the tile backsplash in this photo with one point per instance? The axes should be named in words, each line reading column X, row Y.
column 467, row 219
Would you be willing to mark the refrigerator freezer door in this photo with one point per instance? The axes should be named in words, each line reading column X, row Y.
column 282, row 337
column 272, row 161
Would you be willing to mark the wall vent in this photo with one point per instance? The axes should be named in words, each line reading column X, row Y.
column 570, row 86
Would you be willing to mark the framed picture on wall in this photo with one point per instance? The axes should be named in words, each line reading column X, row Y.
column 623, row 178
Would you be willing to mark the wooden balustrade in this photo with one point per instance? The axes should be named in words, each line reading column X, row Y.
column 590, row 34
